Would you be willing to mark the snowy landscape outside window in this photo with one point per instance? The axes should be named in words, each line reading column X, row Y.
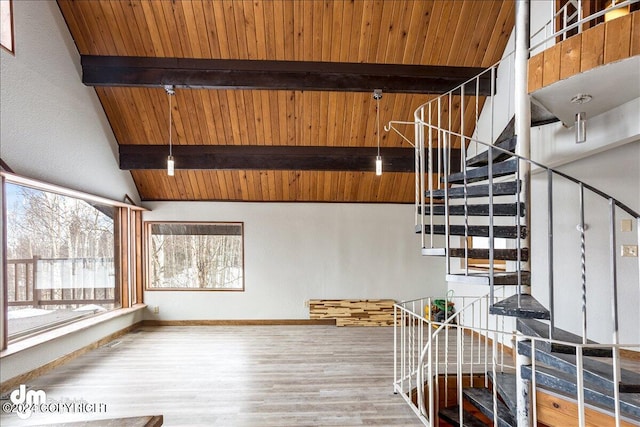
column 60, row 259
column 195, row 256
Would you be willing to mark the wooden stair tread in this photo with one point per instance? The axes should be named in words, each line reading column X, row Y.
column 508, row 188
column 499, row 279
column 499, row 209
column 521, row 305
column 597, row 373
column 565, row 383
column 452, row 416
column 482, row 173
column 498, row 254
column 483, row 158
column 500, row 231
column 482, row 399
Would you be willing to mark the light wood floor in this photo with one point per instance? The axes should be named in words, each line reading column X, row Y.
column 236, row 376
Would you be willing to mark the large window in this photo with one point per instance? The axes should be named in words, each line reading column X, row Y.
column 195, row 256
column 69, row 255
column 60, row 259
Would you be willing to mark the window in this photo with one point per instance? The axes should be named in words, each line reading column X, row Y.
column 483, row 243
column 6, row 24
column 195, row 256
column 60, row 259
column 69, row 255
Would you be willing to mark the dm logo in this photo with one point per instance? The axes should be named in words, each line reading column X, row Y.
column 25, row 400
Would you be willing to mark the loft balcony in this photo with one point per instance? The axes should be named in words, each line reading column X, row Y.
column 602, row 61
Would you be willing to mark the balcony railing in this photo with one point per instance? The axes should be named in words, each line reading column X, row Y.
column 570, row 20
column 53, row 282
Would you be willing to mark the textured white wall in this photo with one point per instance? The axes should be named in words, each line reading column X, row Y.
column 52, row 127
column 300, row 251
column 616, row 172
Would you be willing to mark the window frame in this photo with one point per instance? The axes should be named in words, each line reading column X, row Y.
column 147, row 257
column 478, row 264
column 126, row 250
column 11, row 49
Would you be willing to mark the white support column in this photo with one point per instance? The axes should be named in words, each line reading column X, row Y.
column 522, row 105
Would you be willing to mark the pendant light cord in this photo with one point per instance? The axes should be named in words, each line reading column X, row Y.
column 170, row 148
column 378, row 122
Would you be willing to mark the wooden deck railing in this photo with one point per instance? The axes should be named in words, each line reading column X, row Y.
column 22, row 289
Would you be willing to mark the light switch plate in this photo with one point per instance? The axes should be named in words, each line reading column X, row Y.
column 630, row 250
column 626, row 225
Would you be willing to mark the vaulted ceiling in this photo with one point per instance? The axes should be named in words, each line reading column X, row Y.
column 255, row 78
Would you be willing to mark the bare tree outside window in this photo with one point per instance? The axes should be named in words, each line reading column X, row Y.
column 59, row 257
column 195, row 256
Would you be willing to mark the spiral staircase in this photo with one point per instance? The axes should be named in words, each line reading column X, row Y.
column 497, row 358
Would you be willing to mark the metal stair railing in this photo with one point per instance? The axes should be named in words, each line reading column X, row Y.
column 615, row 207
column 435, row 137
column 434, row 145
column 415, row 334
column 470, row 347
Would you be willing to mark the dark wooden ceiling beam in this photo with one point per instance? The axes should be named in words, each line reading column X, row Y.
column 276, row 75
column 265, row 157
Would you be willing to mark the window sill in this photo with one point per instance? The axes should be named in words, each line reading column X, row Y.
column 26, row 343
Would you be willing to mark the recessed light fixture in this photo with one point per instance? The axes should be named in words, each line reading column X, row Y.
column 581, row 98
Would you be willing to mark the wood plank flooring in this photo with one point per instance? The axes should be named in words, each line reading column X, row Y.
column 235, row 376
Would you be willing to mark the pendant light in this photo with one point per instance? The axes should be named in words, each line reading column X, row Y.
column 170, row 162
column 581, row 127
column 377, row 94
column 581, row 117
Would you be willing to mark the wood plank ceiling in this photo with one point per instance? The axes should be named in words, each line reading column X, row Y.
column 467, row 33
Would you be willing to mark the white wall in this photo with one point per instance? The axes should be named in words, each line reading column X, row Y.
column 554, row 145
column 300, row 251
column 616, row 172
column 52, row 127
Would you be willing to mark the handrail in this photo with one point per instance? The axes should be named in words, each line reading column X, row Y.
column 427, row 415
column 448, row 322
column 591, row 188
column 430, row 117
column 444, row 136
